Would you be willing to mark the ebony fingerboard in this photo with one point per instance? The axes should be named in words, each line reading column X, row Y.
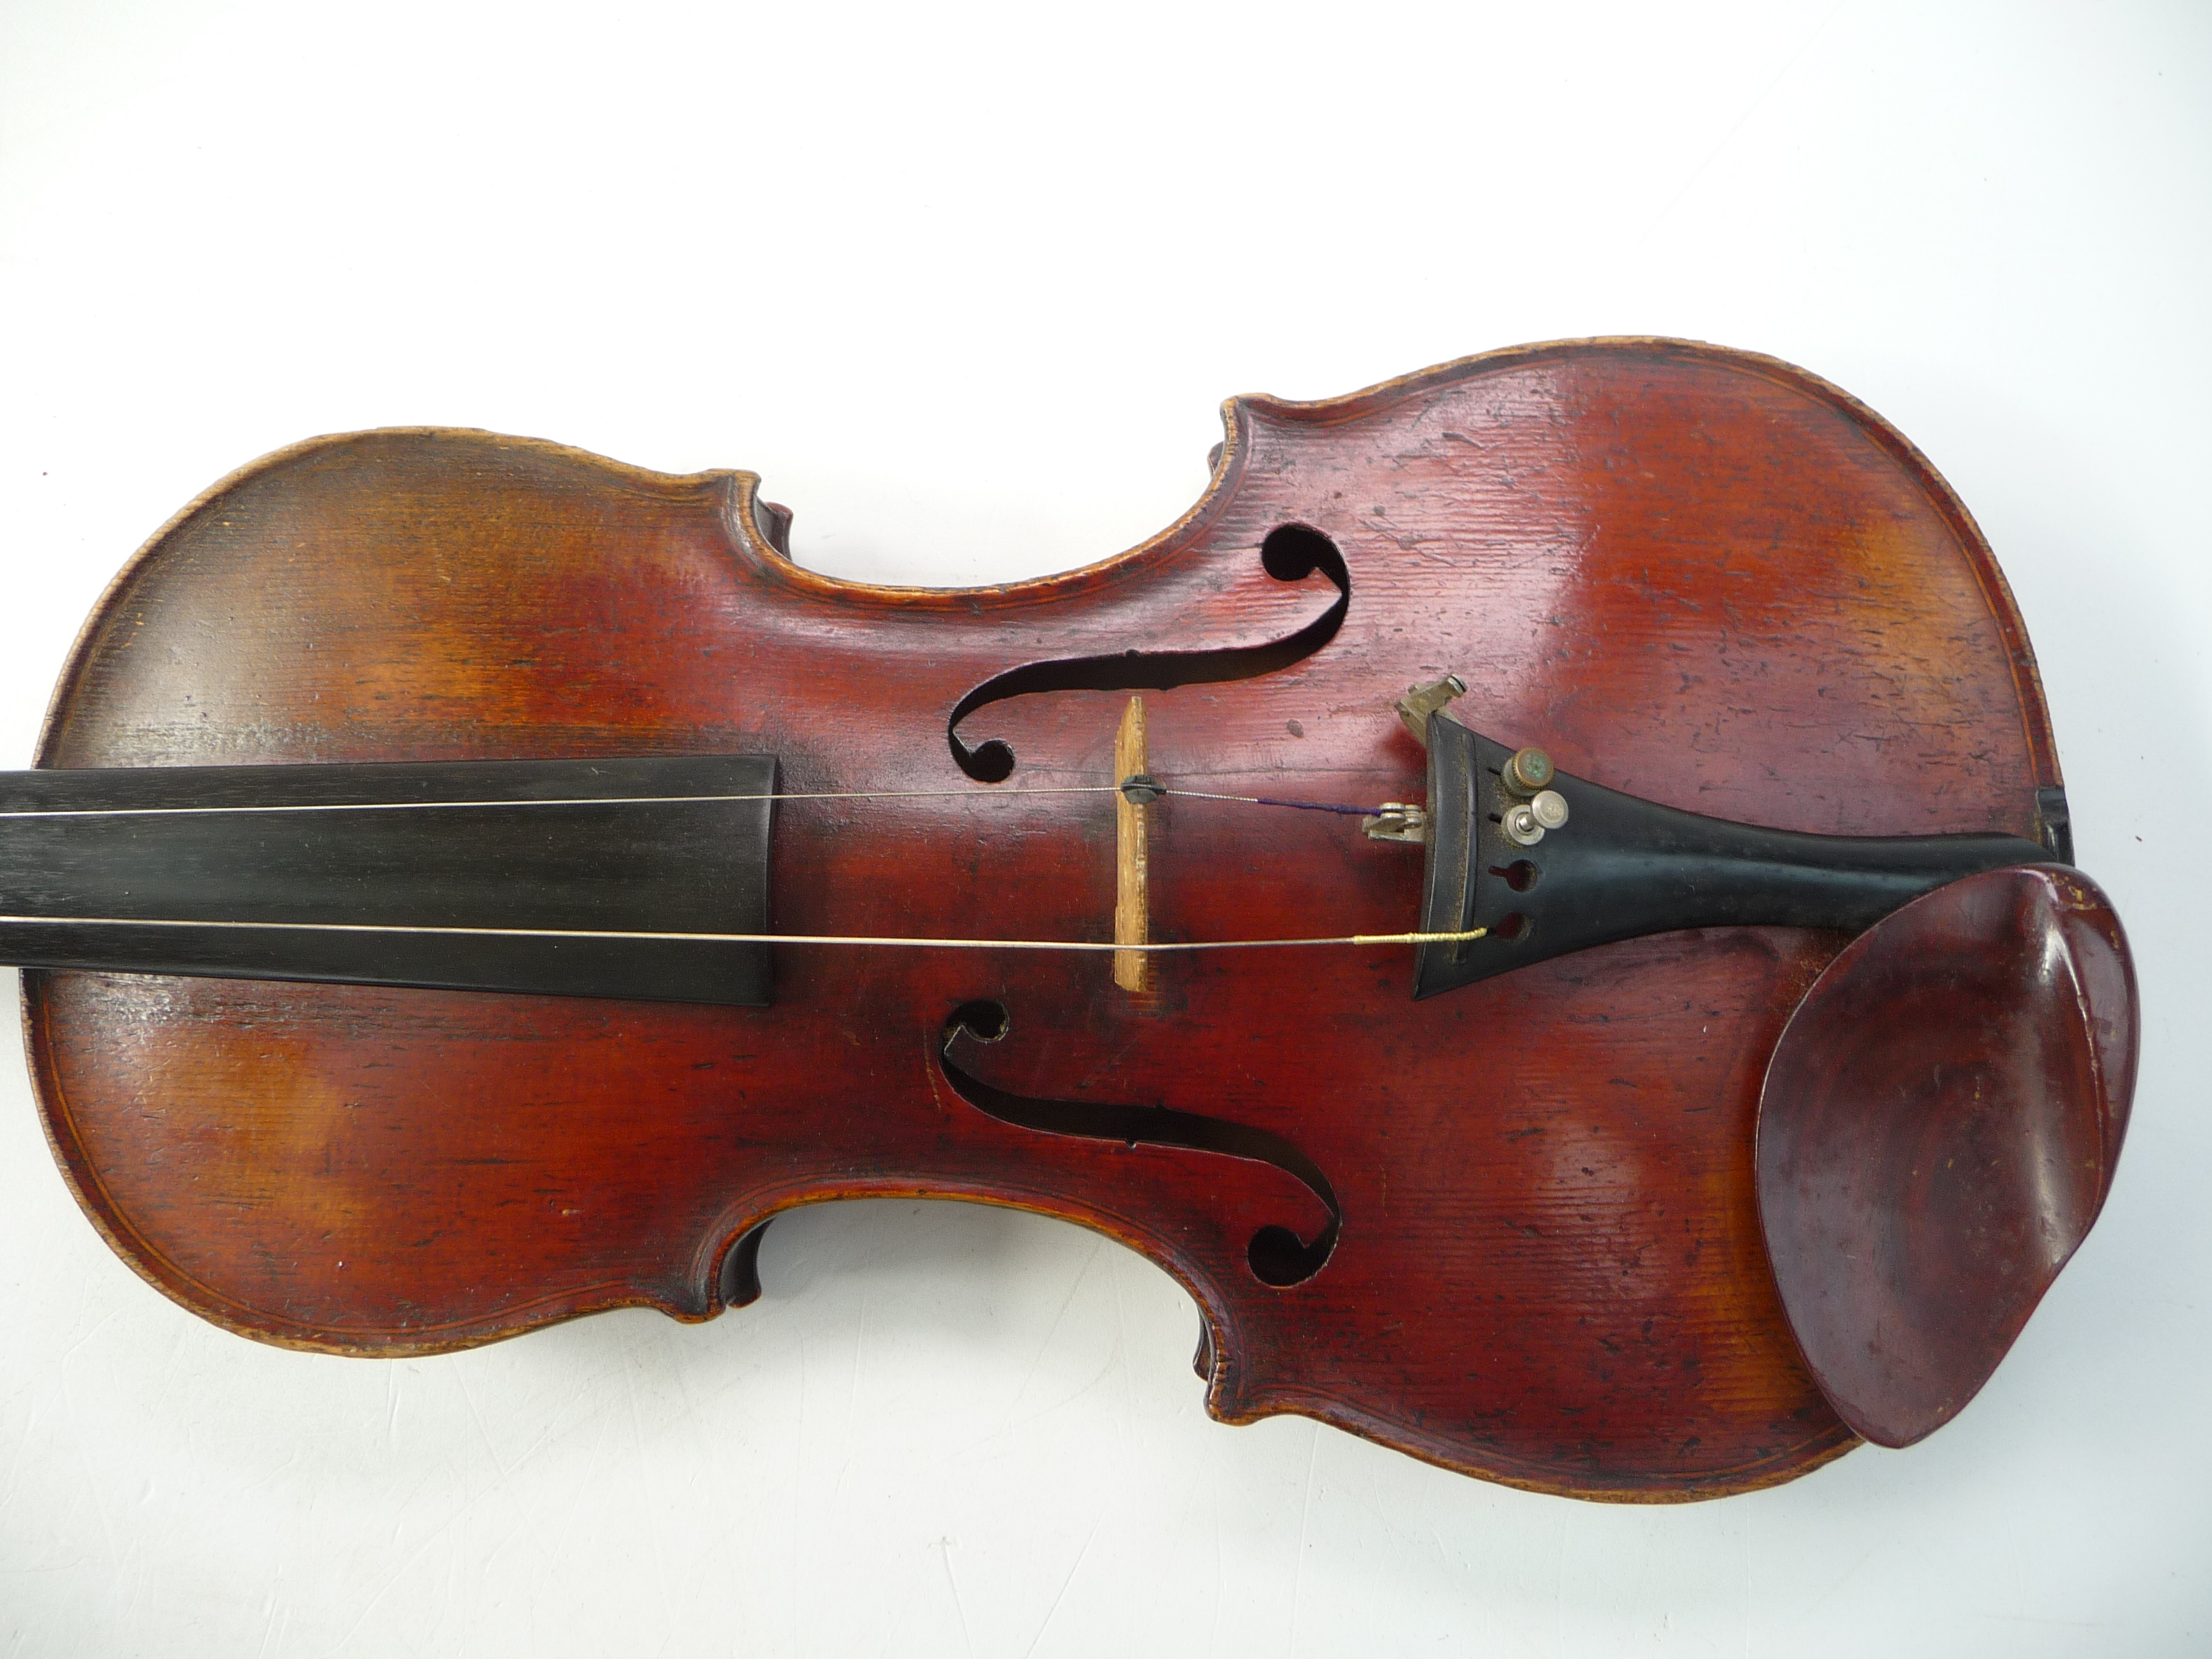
column 635, row 845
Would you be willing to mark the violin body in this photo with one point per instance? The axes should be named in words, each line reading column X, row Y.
column 1701, row 577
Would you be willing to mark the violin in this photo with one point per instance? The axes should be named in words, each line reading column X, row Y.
column 1544, row 900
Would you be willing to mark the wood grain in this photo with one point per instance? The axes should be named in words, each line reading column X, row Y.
column 1704, row 577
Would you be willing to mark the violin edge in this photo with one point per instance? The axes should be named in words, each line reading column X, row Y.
column 1227, row 1399
column 756, row 544
column 81, row 652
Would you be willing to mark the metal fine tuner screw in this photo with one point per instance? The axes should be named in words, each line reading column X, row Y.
column 1528, row 771
column 1525, row 821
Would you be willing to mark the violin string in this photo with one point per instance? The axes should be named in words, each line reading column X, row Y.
column 1270, row 800
column 660, row 800
column 744, row 939
column 581, row 800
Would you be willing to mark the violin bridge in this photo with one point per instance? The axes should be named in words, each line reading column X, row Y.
column 1132, row 968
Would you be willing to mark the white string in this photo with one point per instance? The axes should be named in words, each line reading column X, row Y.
column 744, row 939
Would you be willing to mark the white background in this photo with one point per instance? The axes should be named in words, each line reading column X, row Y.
column 967, row 285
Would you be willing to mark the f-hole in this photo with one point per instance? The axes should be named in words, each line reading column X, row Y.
column 1277, row 1255
column 1290, row 553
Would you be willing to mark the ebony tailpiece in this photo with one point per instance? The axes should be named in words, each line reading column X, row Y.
column 1622, row 867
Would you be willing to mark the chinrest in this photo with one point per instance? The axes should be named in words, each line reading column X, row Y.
column 1937, row 1132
